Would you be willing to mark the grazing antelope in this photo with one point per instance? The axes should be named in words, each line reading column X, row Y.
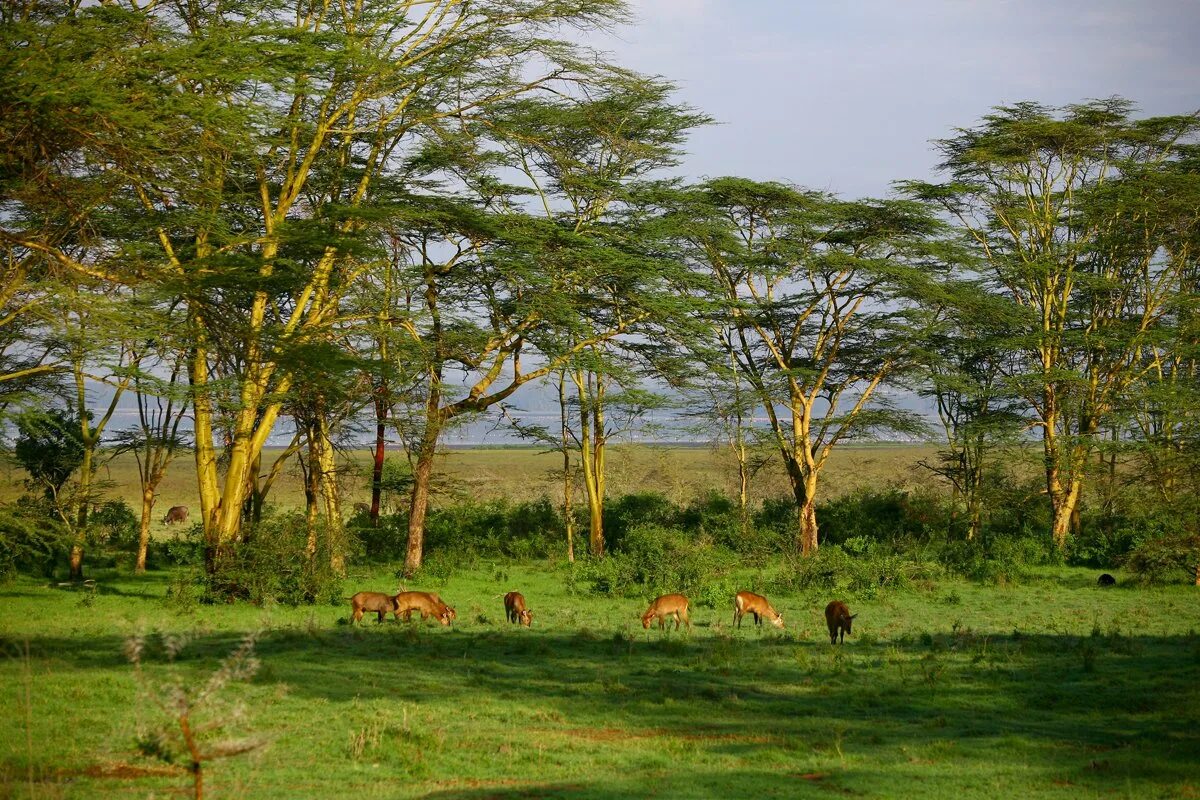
column 515, row 609
column 1106, row 580
column 427, row 604
column 175, row 514
column 838, row 618
column 669, row 605
column 751, row 603
column 378, row 602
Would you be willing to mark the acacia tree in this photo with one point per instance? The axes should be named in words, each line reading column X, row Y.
column 967, row 359
column 823, row 299
column 279, row 136
column 1030, row 186
column 162, row 405
column 587, row 161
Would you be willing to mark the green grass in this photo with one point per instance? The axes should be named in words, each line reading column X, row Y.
column 1050, row 689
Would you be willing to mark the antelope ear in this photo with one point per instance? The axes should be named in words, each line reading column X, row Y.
column 852, row 616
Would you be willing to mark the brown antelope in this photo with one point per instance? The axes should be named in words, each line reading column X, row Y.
column 515, row 609
column 378, row 602
column 838, row 618
column 427, row 604
column 669, row 605
column 751, row 603
column 175, row 514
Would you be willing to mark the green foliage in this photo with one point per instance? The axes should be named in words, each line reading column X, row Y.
column 49, row 447
column 30, row 539
column 887, row 515
column 272, row 566
column 835, row 572
column 656, row 560
column 1168, row 558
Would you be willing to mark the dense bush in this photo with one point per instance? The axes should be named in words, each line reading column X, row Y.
column 656, row 560
column 30, row 539
column 834, row 571
column 272, row 566
column 888, row 515
column 495, row 528
column 1169, row 558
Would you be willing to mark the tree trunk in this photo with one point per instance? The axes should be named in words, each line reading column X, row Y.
column 381, row 411
column 743, row 487
column 568, row 483
column 81, row 514
column 808, row 527
column 329, row 492
column 804, row 489
column 311, row 493
column 144, row 531
column 419, row 503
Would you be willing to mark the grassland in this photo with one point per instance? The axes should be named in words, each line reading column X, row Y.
column 1049, row 689
column 678, row 472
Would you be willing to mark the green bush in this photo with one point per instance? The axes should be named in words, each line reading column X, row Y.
column 832, row 570
column 30, row 539
column 1171, row 558
column 271, row 566
column 655, row 560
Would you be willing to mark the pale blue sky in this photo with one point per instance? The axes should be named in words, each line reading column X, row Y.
column 845, row 96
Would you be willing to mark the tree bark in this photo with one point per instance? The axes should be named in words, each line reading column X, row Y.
column 568, row 483
column 331, row 495
column 148, row 498
column 381, row 412
column 419, row 504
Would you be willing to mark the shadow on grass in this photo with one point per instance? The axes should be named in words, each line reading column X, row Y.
column 1105, row 692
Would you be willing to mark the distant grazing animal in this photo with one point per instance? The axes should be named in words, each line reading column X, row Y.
column 176, row 514
column 427, row 604
column 839, row 619
column 751, row 603
column 362, row 508
column 515, row 610
column 669, row 605
column 1106, row 580
column 380, row 603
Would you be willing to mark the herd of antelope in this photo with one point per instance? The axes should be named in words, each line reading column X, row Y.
column 665, row 608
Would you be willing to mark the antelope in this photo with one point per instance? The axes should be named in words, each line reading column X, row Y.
column 751, row 603
column 378, row 602
column 515, row 610
column 838, row 618
column 362, row 508
column 429, row 605
column 175, row 514
column 669, row 605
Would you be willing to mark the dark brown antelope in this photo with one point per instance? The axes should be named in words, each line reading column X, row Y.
column 175, row 514
column 839, row 619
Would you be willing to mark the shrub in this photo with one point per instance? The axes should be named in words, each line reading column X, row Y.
column 833, row 570
column 271, row 565
column 30, row 538
column 634, row 510
column 655, row 560
column 1166, row 559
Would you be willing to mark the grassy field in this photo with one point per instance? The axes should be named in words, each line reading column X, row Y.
column 1052, row 688
column 680, row 473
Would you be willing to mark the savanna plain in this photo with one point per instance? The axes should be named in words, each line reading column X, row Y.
column 1045, row 687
